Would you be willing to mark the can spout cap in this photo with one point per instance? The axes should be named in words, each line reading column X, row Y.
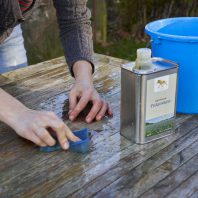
column 143, row 61
column 144, row 54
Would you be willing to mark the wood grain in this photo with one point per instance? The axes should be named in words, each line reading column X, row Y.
column 114, row 167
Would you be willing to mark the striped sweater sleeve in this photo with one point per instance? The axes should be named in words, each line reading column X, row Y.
column 25, row 4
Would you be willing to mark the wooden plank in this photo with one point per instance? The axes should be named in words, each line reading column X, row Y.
column 44, row 86
column 187, row 188
column 41, row 164
column 170, row 183
column 118, row 178
column 194, row 195
column 77, row 180
column 32, row 71
column 54, row 64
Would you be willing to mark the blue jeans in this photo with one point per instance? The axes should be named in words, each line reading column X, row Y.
column 12, row 52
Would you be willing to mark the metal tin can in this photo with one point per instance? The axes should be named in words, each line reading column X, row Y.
column 148, row 101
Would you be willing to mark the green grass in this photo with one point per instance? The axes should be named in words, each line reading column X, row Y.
column 125, row 48
column 50, row 48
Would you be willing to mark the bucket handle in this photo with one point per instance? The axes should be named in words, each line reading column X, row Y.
column 155, row 41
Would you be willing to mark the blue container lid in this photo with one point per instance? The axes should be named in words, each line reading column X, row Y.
column 83, row 145
column 183, row 29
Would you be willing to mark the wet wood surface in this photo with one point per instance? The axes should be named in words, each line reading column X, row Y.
column 114, row 167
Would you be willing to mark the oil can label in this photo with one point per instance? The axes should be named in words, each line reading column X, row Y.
column 160, row 104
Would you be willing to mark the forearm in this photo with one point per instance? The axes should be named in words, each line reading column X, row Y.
column 75, row 31
column 83, row 72
column 33, row 125
column 9, row 107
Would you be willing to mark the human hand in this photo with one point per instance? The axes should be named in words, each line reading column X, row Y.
column 83, row 92
column 35, row 125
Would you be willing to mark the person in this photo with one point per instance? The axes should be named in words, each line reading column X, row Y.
column 76, row 36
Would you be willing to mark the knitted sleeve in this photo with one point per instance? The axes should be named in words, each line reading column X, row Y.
column 75, row 30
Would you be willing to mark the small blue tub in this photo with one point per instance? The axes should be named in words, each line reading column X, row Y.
column 176, row 39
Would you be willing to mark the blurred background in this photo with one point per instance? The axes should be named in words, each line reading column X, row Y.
column 118, row 26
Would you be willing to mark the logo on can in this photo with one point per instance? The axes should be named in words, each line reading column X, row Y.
column 161, row 83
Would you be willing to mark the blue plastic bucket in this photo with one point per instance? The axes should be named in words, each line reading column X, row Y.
column 176, row 39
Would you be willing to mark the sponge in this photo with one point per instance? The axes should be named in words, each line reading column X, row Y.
column 81, row 146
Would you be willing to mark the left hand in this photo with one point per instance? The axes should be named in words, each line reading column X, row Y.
column 84, row 90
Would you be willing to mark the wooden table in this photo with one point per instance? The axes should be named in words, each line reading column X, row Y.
column 114, row 167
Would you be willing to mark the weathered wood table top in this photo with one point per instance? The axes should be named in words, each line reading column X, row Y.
column 114, row 167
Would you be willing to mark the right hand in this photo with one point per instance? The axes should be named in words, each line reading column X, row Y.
column 33, row 125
